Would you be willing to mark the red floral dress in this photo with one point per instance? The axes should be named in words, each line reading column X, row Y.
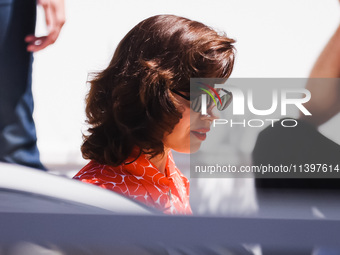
column 142, row 181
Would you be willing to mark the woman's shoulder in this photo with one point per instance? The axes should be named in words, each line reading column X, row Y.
column 97, row 173
column 115, row 178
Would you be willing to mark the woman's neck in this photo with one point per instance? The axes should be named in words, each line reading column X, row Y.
column 160, row 161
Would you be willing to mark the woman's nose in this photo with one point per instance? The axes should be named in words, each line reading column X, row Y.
column 212, row 114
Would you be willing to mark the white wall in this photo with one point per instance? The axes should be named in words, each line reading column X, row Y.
column 275, row 38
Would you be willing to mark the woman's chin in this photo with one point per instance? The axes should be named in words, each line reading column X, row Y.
column 194, row 147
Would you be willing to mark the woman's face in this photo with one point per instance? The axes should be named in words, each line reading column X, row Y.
column 192, row 128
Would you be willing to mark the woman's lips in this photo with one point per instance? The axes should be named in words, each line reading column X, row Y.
column 200, row 133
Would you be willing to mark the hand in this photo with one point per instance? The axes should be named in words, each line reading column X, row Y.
column 55, row 19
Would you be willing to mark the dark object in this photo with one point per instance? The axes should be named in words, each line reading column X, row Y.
column 302, row 144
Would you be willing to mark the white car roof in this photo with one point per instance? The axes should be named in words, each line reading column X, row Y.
column 24, row 179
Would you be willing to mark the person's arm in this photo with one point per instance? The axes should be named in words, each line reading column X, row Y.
column 328, row 63
column 55, row 19
column 325, row 100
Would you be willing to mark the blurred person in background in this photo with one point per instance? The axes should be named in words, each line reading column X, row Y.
column 324, row 105
column 139, row 108
column 304, row 144
column 17, row 44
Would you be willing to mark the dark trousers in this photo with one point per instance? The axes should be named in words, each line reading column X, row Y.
column 17, row 130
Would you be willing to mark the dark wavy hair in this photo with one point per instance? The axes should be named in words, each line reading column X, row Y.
column 129, row 104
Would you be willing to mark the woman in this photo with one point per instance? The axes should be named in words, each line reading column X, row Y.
column 138, row 109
